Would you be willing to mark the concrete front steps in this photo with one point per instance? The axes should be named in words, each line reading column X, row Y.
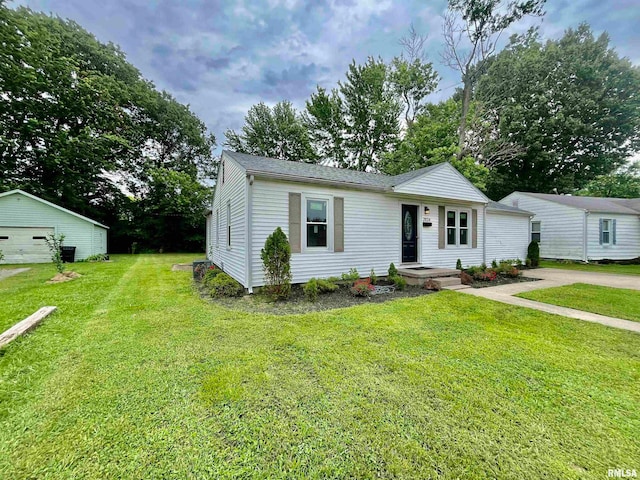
column 446, row 278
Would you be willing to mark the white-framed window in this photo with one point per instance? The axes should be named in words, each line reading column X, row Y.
column 218, row 228
column 316, row 221
column 535, row 231
column 606, row 231
column 458, row 225
column 228, row 224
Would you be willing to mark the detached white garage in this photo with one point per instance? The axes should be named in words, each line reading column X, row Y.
column 25, row 221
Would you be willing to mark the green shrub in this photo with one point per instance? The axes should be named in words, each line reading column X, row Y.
column 352, row 276
column 393, row 271
column 98, row 257
column 223, row 285
column 459, row 264
column 476, row 271
column 334, row 280
column 373, row 277
column 276, row 257
column 533, row 254
column 494, row 263
column 315, row 286
column 1, row 256
column 209, row 275
column 398, row 281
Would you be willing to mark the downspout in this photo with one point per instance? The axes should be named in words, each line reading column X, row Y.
column 248, row 256
column 484, row 234
column 585, row 238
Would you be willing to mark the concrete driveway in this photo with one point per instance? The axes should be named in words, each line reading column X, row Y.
column 552, row 277
column 567, row 277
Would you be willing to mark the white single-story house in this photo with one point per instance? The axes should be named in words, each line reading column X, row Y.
column 338, row 219
column 25, row 221
column 582, row 228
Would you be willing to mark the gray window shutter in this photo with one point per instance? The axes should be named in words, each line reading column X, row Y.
column 613, row 233
column 474, row 228
column 441, row 229
column 600, row 232
column 295, row 217
column 338, row 224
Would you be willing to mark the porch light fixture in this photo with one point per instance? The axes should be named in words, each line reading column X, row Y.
column 426, row 210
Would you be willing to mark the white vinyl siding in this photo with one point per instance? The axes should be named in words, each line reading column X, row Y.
column 229, row 203
column 507, row 236
column 627, row 244
column 372, row 231
column 17, row 210
column 443, row 182
column 561, row 227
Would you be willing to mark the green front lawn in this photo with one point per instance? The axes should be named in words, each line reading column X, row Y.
column 137, row 377
column 593, row 267
column 614, row 302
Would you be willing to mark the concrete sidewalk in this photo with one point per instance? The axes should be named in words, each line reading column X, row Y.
column 549, row 278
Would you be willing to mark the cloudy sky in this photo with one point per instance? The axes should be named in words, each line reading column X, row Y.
column 221, row 57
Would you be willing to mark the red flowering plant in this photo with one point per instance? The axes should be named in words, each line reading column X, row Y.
column 489, row 276
column 362, row 287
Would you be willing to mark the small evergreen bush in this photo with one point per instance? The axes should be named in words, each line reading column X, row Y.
column 276, row 258
column 393, row 271
column 398, row 281
column 373, row 277
column 533, row 254
column 459, row 265
column 315, row 286
column 223, row 285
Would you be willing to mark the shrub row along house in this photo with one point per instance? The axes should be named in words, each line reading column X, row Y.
column 582, row 228
column 337, row 219
column 26, row 220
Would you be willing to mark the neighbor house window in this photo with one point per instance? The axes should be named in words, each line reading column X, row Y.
column 535, row 232
column 229, row 224
column 317, row 223
column 217, row 228
column 606, row 231
column 458, row 226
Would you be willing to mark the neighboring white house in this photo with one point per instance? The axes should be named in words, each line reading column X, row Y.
column 25, row 220
column 338, row 219
column 582, row 228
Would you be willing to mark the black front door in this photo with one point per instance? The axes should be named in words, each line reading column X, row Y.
column 409, row 233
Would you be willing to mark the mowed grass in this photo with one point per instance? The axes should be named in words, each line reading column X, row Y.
column 137, row 377
column 594, row 267
column 614, row 302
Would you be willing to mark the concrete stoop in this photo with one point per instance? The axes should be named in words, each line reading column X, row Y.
column 444, row 277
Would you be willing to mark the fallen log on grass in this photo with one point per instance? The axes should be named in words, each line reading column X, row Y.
column 25, row 325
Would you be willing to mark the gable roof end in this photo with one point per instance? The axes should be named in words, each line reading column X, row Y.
column 58, row 207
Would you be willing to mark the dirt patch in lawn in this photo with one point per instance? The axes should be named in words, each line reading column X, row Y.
column 298, row 303
column 502, row 281
column 64, row 277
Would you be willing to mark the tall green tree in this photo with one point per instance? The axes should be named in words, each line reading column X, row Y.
column 79, row 124
column 622, row 183
column 472, row 29
column 572, row 104
column 433, row 139
column 357, row 122
column 277, row 132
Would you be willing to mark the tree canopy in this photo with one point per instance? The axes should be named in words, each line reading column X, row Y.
column 572, row 104
column 80, row 126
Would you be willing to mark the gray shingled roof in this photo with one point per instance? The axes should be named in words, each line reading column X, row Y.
column 500, row 207
column 299, row 171
column 593, row 204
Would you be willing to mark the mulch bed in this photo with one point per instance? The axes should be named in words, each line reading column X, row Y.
column 298, row 303
column 502, row 281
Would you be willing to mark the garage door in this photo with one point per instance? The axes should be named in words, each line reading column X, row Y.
column 25, row 244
